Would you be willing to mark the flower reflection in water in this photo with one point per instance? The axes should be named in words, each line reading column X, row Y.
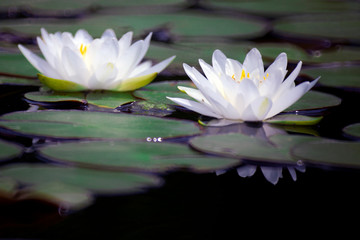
column 272, row 173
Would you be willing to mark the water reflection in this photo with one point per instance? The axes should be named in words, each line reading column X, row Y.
column 263, row 131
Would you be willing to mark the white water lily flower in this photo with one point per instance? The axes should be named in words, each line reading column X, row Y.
column 86, row 63
column 242, row 92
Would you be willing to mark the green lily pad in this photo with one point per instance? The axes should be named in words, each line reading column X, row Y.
column 8, row 187
column 167, row 86
column 141, row 156
column 284, row 7
column 314, row 100
column 294, row 119
column 155, row 95
column 157, row 92
column 190, row 52
column 94, row 125
column 106, row 99
column 344, row 76
column 148, row 108
column 66, row 196
column 16, row 64
column 9, row 150
column 270, row 51
column 236, row 145
column 69, row 5
column 338, row 27
column 330, row 153
column 352, row 130
column 96, row 181
column 19, row 81
column 109, row 99
column 190, row 25
column 42, row 96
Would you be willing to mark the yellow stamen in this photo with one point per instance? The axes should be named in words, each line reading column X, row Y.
column 233, row 76
column 83, row 49
column 242, row 75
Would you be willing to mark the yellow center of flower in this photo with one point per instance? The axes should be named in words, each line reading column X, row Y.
column 83, row 49
column 242, row 76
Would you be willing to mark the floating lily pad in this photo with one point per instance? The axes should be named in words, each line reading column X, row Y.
column 338, row 27
column 157, row 92
column 8, row 187
column 66, row 196
column 42, row 96
column 109, row 99
column 96, row 181
column 16, row 64
column 148, row 108
column 353, row 130
column 168, row 86
column 9, row 150
column 140, row 156
column 190, row 25
column 294, row 119
column 329, row 152
column 345, row 76
column 284, row 7
column 83, row 4
column 270, row 51
column 95, row 125
column 276, row 150
column 19, row 81
column 105, row 99
column 314, row 100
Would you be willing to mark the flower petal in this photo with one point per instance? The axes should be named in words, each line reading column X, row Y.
column 40, row 64
column 289, row 81
column 194, row 93
column 142, row 67
column 272, row 174
column 246, row 170
column 253, row 61
column 125, row 42
column 212, row 76
column 194, row 106
column 261, row 107
column 131, row 84
column 74, row 66
column 157, row 68
column 108, row 33
column 82, row 36
column 288, row 98
column 219, row 61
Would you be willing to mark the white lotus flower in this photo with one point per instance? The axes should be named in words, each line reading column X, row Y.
column 103, row 63
column 242, row 92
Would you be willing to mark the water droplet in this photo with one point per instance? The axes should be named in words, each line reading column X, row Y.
column 300, row 163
